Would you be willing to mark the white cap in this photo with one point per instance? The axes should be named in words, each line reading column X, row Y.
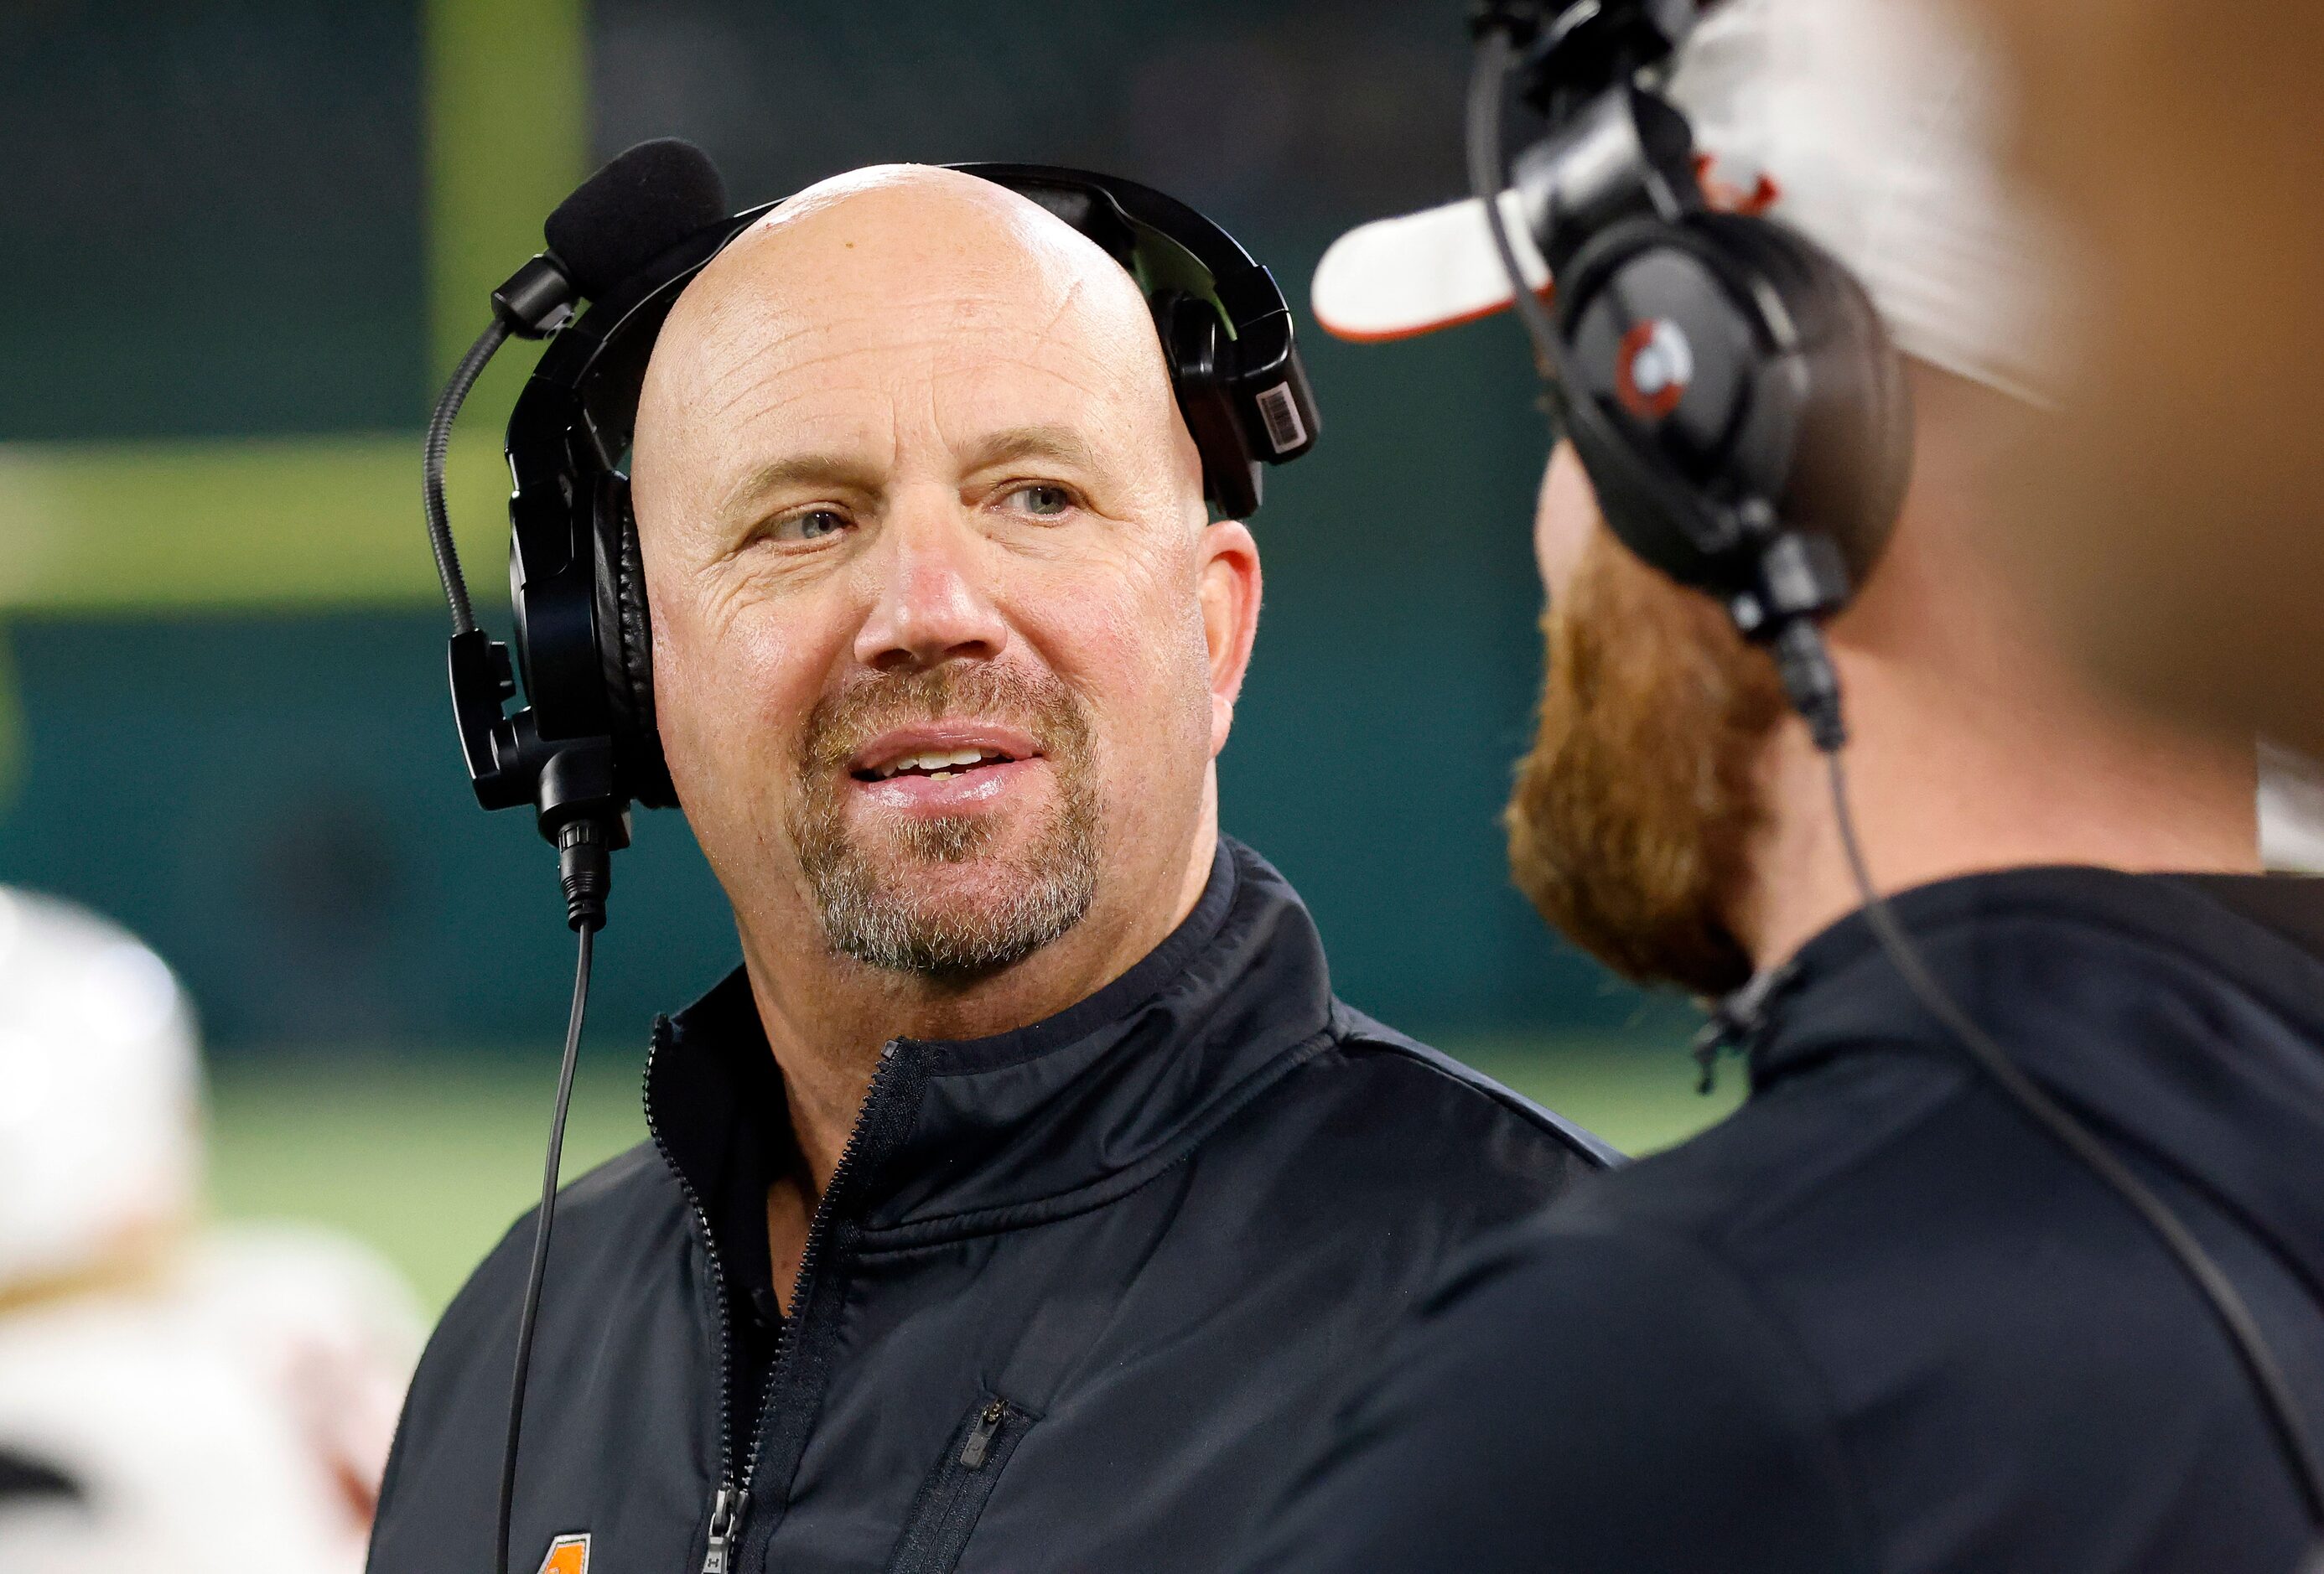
column 1868, row 125
column 100, row 1090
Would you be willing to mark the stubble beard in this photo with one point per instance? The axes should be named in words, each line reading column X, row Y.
column 869, row 891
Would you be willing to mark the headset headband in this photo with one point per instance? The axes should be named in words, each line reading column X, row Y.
column 598, row 360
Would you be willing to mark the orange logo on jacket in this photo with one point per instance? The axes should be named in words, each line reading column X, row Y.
column 568, row 1555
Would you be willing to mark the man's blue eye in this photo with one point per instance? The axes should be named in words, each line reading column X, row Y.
column 1044, row 500
column 811, row 526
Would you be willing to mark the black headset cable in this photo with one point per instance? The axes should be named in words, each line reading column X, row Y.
column 583, row 855
column 2219, row 1292
column 543, row 1223
column 1496, row 52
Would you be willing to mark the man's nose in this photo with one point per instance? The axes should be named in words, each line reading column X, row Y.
column 933, row 602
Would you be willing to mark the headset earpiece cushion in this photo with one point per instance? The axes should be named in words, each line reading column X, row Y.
column 1643, row 503
column 625, row 649
column 1853, row 456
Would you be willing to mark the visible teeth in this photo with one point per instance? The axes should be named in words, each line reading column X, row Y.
column 938, row 763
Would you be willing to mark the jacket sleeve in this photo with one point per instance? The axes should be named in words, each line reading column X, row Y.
column 1578, row 1402
column 439, row 1499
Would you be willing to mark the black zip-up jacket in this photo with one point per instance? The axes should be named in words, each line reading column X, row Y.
column 1075, row 1298
column 1878, row 1320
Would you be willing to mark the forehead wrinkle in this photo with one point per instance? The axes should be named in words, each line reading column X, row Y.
column 764, row 363
column 1089, row 394
column 1093, row 360
column 767, row 398
column 1065, row 303
column 808, row 469
column 756, row 400
column 1031, row 442
column 1096, row 377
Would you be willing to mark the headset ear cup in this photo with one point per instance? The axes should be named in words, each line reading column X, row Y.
column 625, row 649
column 1852, row 457
column 1643, row 507
column 1195, row 344
column 1884, row 400
column 1652, row 494
column 1794, row 396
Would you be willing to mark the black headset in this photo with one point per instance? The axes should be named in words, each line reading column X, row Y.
column 1743, row 417
column 1724, row 382
column 584, row 746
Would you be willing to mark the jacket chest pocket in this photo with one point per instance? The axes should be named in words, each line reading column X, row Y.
column 953, row 1497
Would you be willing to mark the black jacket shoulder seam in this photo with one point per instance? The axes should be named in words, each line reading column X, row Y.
column 1577, row 1139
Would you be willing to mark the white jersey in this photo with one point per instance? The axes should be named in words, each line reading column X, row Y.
column 232, row 1418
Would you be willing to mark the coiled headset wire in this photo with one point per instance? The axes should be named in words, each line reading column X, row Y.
column 1496, row 52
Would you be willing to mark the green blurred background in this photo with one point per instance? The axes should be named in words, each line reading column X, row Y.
column 245, row 237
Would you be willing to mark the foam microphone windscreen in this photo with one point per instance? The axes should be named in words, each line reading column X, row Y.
column 639, row 205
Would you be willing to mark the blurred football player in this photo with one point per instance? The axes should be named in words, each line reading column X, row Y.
column 172, row 1397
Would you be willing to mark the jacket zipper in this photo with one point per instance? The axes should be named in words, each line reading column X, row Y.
column 952, row 1500
column 979, row 1438
column 725, row 1509
column 726, row 1524
column 733, row 1496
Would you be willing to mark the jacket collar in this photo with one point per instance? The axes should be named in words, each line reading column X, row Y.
column 2180, row 1014
column 999, row 1130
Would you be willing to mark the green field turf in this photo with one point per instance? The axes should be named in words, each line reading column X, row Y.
column 429, row 1161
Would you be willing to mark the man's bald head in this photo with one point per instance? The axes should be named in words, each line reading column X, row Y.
column 887, row 256
column 911, row 483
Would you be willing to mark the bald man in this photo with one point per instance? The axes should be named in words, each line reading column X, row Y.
column 1019, row 1201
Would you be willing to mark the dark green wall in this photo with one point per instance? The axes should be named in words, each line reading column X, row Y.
column 276, row 801
column 211, row 218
